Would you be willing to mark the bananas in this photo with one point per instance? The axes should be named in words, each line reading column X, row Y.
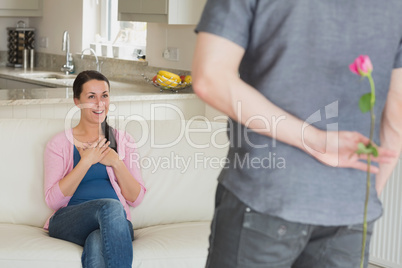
column 169, row 75
column 167, row 82
column 170, row 80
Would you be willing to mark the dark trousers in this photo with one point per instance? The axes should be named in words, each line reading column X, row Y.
column 241, row 237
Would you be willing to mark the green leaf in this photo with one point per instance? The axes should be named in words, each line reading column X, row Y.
column 365, row 103
column 373, row 150
column 366, row 149
column 362, row 149
column 361, row 146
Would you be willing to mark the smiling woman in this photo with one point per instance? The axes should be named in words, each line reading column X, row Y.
column 88, row 184
column 91, row 95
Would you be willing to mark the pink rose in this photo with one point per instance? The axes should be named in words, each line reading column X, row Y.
column 361, row 66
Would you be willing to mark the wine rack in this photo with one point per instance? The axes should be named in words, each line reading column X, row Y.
column 18, row 40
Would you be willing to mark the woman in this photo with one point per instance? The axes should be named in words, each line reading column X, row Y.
column 89, row 182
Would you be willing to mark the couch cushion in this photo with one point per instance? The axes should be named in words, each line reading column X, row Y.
column 176, row 245
column 22, row 143
column 180, row 245
column 180, row 164
column 27, row 246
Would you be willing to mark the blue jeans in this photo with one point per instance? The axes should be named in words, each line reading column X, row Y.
column 101, row 227
column 243, row 238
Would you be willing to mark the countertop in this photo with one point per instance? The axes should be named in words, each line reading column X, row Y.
column 52, row 91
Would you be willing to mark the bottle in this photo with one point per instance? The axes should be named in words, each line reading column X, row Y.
column 32, row 58
column 25, row 58
column 71, row 62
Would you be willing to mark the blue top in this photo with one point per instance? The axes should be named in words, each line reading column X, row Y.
column 95, row 184
column 297, row 55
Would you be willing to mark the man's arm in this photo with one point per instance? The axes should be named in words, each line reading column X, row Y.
column 391, row 127
column 216, row 81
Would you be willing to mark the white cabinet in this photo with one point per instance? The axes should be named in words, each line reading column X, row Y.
column 181, row 12
column 146, row 6
column 3, row 83
column 185, row 11
column 158, row 7
column 143, row 10
column 21, row 8
column 13, row 84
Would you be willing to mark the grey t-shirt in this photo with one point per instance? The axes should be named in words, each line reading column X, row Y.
column 297, row 54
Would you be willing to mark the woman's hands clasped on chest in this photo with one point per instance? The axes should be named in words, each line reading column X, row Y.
column 110, row 159
column 94, row 152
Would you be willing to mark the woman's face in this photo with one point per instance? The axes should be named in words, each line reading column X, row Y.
column 94, row 101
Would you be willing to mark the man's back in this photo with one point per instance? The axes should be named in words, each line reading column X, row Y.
column 297, row 54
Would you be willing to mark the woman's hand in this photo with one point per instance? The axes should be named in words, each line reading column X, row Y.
column 95, row 152
column 110, row 159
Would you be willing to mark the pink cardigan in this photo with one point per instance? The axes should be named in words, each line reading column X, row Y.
column 59, row 161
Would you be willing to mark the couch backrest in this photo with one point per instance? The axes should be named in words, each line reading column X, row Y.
column 180, row 162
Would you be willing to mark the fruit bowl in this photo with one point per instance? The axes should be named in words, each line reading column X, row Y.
column 168, row 86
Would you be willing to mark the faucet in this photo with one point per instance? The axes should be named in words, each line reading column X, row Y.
column 96, row 57
column 68, row 67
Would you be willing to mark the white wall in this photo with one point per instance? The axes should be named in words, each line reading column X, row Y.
column 58, row 16
column 73, row 15
column 181, row 37
column 8, row 22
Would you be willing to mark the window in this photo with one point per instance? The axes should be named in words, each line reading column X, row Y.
column 119, row 39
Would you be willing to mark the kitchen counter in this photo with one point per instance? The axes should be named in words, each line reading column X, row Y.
column 41, row 94
column 52, row 91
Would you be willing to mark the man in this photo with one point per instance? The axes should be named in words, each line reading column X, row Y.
column 295, row 102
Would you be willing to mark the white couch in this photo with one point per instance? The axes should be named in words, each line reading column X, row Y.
column 172, row 224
